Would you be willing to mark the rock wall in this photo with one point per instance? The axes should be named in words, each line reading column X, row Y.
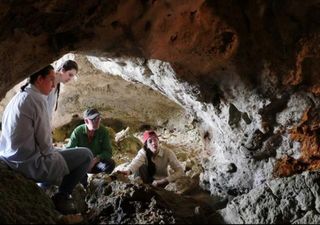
column 293, row 200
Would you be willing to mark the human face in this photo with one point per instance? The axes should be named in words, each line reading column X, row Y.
column 45, row 84
column 153, row 144
column 93, row 124
column 67, row 75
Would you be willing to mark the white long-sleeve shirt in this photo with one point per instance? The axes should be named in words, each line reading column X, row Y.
column 52, row 100
column 162, row 160
column 26, row 141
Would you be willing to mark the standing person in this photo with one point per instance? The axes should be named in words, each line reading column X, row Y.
column 151, row 163
column 95, row 137
column 26, row 141
column 65, row 73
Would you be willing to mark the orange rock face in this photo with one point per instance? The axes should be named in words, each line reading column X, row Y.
column 307, row 133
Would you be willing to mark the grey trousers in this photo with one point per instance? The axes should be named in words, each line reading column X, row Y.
column 78, row 161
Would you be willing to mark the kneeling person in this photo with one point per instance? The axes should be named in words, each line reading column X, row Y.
column 95, row 137
column 151, row 163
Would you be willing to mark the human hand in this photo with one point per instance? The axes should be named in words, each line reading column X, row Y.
column 124, row 172
column 160, row 183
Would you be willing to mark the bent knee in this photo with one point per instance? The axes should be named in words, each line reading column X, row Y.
column 89, row 154
column 86, row 153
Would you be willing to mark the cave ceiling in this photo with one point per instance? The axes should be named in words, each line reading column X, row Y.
column 199, row 38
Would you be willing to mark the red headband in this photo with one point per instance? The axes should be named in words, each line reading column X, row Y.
column 149, row 133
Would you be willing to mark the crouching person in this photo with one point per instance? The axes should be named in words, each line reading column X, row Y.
column 151, row 163
column 26, row 142
column 96, row 137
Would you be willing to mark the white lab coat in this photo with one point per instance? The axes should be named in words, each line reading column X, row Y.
column 51, row 101
column 26, row 140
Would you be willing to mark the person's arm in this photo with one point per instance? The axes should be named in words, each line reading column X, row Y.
column 135, row 164
column 124, row 172
column 42, row 129
column 176, row 166
column 73, row 140
column 106, row 148
column 51, row 101
column 160, row 183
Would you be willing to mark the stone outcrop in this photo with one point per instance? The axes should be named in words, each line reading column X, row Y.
column 22, row 202
column 292, row 200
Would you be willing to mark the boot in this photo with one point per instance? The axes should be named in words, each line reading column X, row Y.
column 64, row 204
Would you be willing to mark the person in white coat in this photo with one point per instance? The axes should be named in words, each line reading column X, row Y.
column 66, row 72
column 26, row 141
column 151, row 163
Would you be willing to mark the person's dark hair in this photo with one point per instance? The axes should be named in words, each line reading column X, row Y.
column 151, row 165
column 67, row 65
column 33, row 77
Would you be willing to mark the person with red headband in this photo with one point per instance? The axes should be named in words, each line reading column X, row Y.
column 151, row 163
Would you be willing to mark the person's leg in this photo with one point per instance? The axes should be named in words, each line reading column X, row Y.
column 110, row 165
column 84, row 181
column 44, row 185
column 105, row 165
column 78, row 161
